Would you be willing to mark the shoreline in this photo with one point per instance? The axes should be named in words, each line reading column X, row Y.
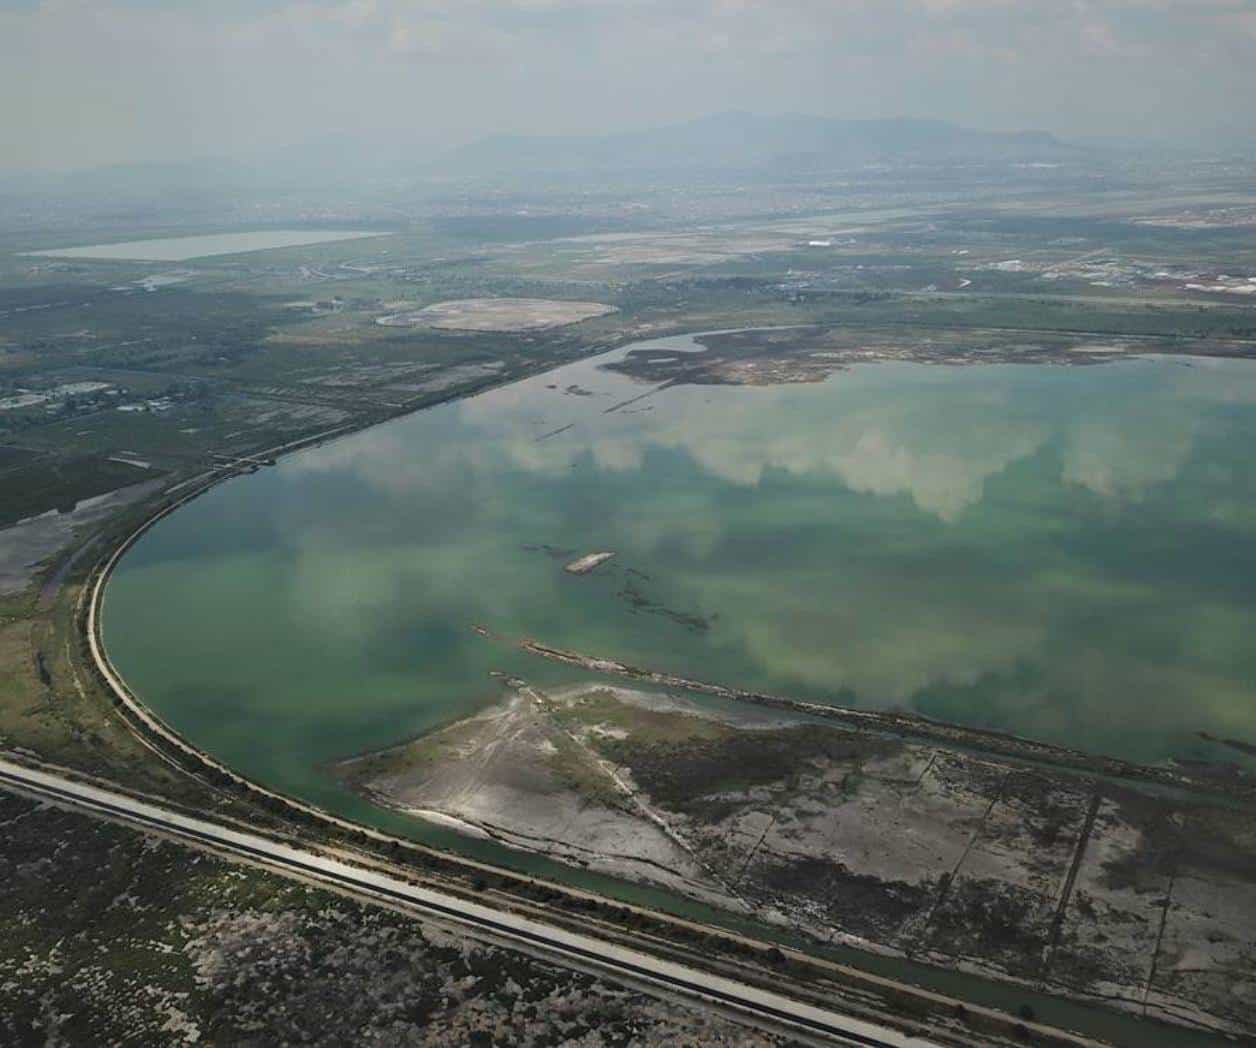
column 914, row 725
column 90, row 605
column 508, row 802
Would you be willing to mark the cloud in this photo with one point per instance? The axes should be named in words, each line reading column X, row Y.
column 95, row 82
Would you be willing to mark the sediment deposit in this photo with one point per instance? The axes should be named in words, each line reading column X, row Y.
column 1051, row 878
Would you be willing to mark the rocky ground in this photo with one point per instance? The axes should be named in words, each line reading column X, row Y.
column 111, row 937
column 1051, row 879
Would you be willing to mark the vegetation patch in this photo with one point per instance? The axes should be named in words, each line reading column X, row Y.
column 575, row 769
column 115, row 938
column 683, row 774
column 61, row 485
column 604, row 712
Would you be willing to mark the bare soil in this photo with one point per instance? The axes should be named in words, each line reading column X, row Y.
column 498, row 314
column 1086, row 887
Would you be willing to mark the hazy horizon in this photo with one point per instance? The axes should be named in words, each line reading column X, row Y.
column 348, row 138
column 144, row 81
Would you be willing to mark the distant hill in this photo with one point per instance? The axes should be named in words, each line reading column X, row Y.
column 745, row 140
column 318, row 176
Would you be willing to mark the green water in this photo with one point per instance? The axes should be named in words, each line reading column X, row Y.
column 1066, row 553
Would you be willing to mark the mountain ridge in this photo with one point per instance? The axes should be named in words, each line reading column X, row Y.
column 740, row 139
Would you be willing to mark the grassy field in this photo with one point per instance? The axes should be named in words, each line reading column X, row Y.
column 62, row 484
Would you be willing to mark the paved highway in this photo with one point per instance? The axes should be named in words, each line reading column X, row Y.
column 580, row 951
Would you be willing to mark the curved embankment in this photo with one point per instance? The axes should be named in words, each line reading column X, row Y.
column 860, row 993
column 150, row 728
column 912, row 725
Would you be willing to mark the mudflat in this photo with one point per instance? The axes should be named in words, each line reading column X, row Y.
column 1092, row 888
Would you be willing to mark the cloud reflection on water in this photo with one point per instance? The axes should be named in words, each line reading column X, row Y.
column 920, row 536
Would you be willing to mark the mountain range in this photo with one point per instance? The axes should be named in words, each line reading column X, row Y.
column 748, row 141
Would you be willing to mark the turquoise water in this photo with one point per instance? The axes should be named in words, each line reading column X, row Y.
column 1065, row 553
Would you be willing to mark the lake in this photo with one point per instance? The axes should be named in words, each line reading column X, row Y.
column 181, row 249
column 1067, row 553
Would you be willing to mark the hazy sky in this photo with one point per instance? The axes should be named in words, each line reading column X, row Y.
column 86, row 82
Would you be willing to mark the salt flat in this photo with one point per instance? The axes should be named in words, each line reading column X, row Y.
column 181, row 249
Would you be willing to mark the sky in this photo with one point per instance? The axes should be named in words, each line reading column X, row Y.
column 85, row 83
